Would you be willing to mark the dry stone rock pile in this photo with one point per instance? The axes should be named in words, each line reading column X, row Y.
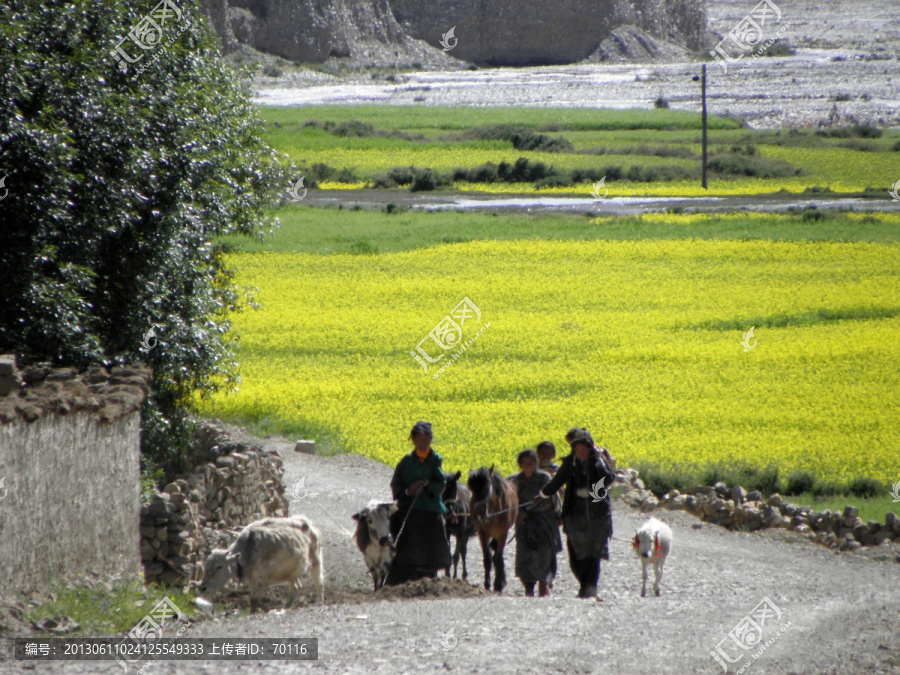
column 232, row 482
column 737, row 509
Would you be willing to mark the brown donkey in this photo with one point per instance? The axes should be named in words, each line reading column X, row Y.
column 493, row 507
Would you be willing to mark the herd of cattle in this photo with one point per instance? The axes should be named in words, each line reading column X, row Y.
column 275, row 551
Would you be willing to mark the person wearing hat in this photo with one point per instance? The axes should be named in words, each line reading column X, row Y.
column 537, row 528
column 587, row 518
column 422, row 547
column 604, row 453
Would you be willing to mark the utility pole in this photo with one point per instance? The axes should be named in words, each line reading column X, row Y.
column 703, row 96
column 702, row 79
column 703, row 87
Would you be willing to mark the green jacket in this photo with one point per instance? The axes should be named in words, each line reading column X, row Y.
column 409, row 470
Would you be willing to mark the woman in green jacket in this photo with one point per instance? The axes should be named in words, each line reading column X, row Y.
column 417, row 486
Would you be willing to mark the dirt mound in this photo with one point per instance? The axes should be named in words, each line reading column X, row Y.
column 432, row 588
column 233, row 600
column 630, row 44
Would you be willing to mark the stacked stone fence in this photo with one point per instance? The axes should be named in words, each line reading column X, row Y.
column 231, row 483
column 737, row 509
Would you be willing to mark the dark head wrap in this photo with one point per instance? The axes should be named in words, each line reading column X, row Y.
column 421, row 427
column 547, row 445
column 582, row 436
column 527, row 453
column 572, row 433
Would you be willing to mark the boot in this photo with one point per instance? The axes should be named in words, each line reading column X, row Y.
column 529, row 590
column 590, row 591
column 543, row 591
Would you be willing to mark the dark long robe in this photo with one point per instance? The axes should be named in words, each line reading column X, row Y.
column 588, row 523
column 422, row 547
column 537, row 537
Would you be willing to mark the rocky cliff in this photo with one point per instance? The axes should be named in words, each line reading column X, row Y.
column 525, row 32
column 396, row 32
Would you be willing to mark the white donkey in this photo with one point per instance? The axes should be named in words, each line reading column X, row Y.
column 652, row 544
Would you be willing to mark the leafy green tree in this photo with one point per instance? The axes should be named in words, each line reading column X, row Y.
column 118, row 184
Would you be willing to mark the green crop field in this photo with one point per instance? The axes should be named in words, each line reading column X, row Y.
column 641, row 152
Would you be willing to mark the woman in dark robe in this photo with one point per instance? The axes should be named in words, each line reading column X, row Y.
column 537, row 529
column 417, row 485
column 587, row 520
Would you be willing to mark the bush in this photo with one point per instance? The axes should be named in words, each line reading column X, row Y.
column 765, row 480
column 660, row 103
column 553, row 181
column 423, row 181
column 653, row 174
column 861, row 146
column 811, row 214
column 800, row 482
column 540, row 142
column 715, row 474
column 273, row 71
column 520, row 137
column 865, row 487
column 744, row 163
column 867, row 131
column 352, row 128
column 593, row 175
column 402, row 175
column 896, row 147
column 494, row 132
column 659, row 482
column 523, row 171
column 827, row 490
column 124, row 183
column 486, row 173
column 838, row 132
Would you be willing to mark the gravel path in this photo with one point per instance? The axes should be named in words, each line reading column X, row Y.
column 841, row 611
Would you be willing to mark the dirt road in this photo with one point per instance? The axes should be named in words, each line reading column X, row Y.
column 838, row 612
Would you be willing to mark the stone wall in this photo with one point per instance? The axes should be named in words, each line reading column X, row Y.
column 737, row 509
column 69, row 474
column 232, row 482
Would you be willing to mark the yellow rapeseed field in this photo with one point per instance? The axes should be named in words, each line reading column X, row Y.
column 640, row 341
